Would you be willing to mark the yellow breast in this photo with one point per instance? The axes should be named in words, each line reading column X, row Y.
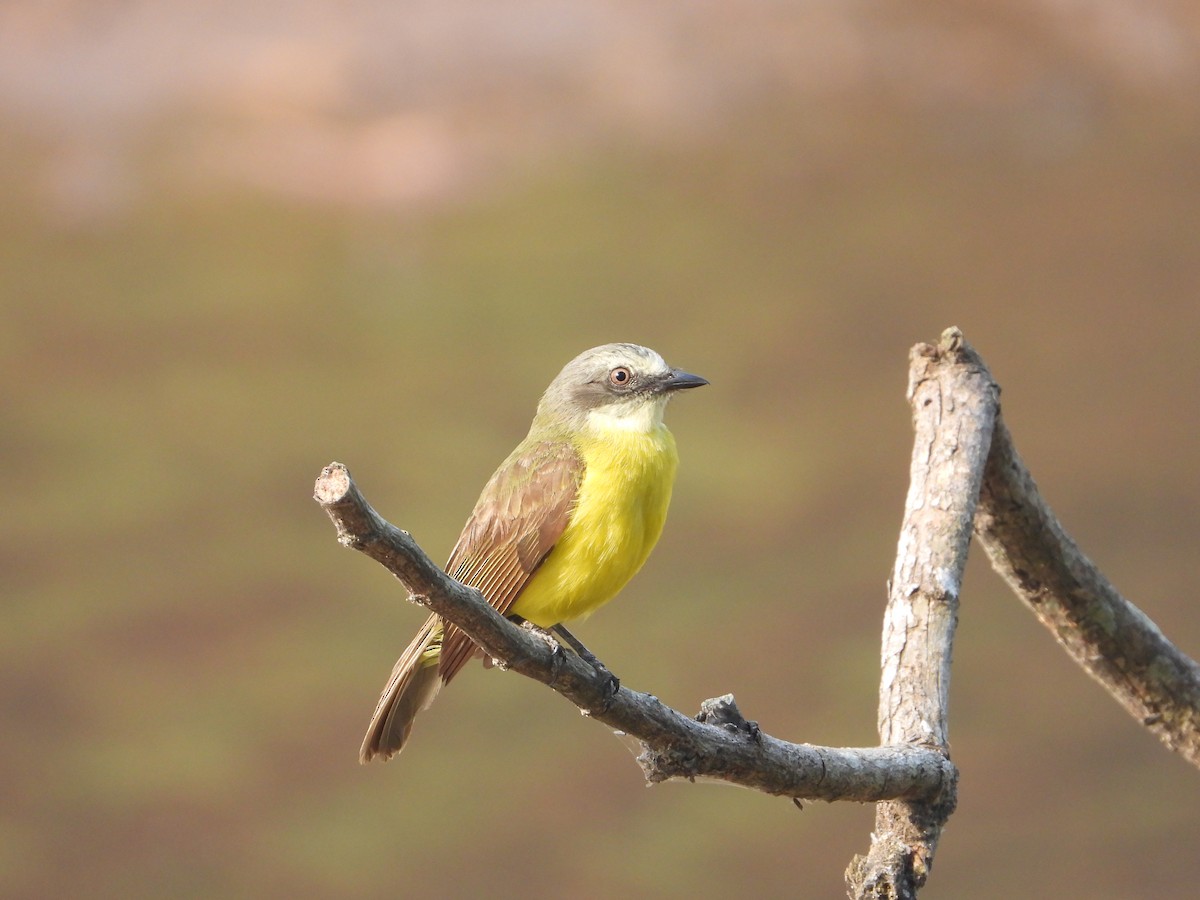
column 617, row 519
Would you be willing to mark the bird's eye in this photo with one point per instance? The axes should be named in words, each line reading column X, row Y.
column 620, row 377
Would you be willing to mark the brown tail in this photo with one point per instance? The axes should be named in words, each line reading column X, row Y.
column 413, row 685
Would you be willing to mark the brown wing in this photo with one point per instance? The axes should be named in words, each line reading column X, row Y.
column 518, row 519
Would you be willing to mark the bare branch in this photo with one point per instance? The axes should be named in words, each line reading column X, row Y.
column 954, row 403
column 719, row 744
column 1107, row 635
column 966, row 478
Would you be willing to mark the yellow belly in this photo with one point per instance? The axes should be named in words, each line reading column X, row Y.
column 618, row 517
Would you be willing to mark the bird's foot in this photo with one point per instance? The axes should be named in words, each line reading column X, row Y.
column 612, row 684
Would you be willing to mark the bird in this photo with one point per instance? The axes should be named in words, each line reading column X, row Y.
column 563, row 524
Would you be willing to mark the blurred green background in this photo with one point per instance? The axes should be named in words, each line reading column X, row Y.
column 239, row 241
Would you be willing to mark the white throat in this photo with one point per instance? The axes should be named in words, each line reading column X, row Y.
column 641, row 418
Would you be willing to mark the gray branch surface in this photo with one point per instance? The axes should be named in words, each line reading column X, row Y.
column 718, row 744
column 954, row 403
column 1108, row 636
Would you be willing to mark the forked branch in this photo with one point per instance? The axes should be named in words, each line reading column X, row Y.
column 958, row 426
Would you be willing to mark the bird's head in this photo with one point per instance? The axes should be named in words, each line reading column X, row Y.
column 622, row 386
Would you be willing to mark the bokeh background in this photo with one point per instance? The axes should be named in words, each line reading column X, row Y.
column 238, row 241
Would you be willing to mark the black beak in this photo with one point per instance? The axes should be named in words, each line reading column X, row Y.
column 677, row 381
